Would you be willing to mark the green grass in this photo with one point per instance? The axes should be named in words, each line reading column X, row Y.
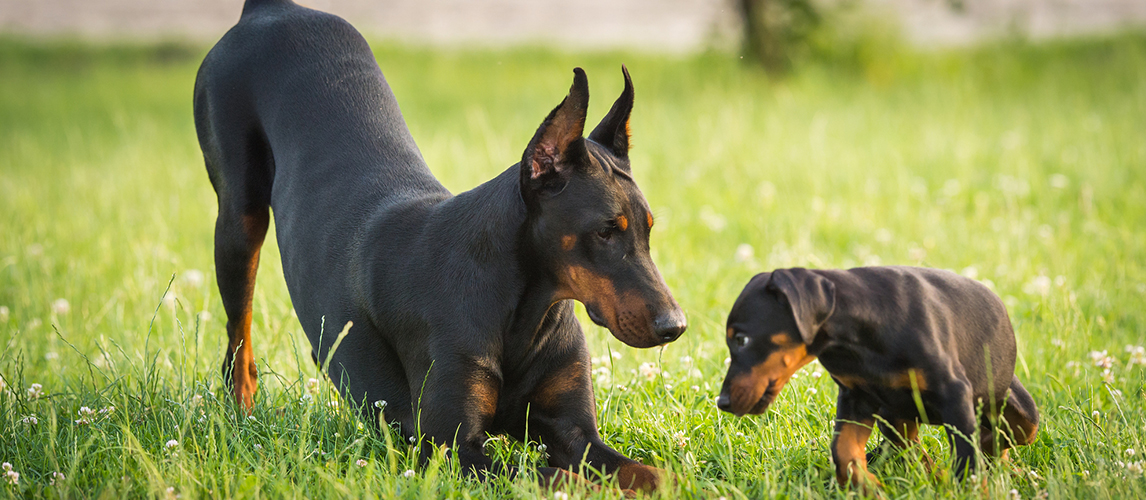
column 1023, row 165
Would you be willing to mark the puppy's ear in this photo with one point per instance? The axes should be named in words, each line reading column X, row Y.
column 557, row 146
column 613, row 131
column 811, row 296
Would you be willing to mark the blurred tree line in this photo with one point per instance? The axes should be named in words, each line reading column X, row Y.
column 778, row 34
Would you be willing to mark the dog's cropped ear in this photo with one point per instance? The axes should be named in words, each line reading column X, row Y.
column 811, row 296
column 557, row 146
column 613, row 131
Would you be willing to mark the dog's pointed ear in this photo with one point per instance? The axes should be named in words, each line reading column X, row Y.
column 557, row 146
column 811, row 296
column 613, row 131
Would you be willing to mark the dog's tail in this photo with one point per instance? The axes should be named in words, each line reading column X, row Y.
column 253, row 5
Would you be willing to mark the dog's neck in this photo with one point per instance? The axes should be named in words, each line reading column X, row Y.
column 844, row 338
column 495, row 222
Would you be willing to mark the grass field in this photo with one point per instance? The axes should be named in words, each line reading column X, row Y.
column 1021, row 165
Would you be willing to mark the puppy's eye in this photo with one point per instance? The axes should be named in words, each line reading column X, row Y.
column 741, row 340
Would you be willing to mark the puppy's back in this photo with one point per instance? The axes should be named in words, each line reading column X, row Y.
column 956, row 314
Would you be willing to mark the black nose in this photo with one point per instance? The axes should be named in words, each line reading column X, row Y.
column 723, row 403
column 670, row 326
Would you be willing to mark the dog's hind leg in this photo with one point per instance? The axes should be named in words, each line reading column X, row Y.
column 238, row 239
column 1021, row 418
column 241, row 170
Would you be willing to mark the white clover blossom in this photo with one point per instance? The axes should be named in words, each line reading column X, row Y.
column 61, row 306
column 1039, row 285
column 312, row 386
column 35, row 391
column 649, row 371
column 1137, row 355
column 408, row 473
column 680, row 439
column 745, row 253
column 193, row 278
column 361, row 463
column 56, row 476
column 171, row 444
column 87, row 415
column 30, row 420
column 1101, row 359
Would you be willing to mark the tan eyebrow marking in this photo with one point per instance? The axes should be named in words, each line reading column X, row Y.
column 649, row 216
column 622, row 222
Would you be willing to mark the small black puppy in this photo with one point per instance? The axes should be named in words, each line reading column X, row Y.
column 907, row 344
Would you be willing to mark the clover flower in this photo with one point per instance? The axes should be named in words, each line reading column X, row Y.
column 649, row 371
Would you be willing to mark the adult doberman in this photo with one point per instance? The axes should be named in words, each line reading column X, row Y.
column 461, row 305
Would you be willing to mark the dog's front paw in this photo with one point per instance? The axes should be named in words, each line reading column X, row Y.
column 640, row 477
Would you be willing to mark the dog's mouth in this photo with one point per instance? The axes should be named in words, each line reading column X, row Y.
column 625, row 326
column 744, row 402
column 766, row 399
column 595, row 316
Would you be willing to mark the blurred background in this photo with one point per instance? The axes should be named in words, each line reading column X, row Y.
column 661, row 25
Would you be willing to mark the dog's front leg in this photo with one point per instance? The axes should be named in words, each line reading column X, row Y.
column 854, row 421
column 564, row 412
column 456, row 407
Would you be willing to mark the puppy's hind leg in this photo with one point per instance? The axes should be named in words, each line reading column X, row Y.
column 1021, row 417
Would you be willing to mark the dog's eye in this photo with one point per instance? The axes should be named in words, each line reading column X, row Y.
column 740, row 339
column 607, row 232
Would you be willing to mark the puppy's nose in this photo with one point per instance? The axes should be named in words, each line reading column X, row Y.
column 669, row 326
column 723, row 403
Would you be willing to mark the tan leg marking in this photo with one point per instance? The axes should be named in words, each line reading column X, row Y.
column 848, row 450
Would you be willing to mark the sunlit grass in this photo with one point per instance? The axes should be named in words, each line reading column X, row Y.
column 1022, row 166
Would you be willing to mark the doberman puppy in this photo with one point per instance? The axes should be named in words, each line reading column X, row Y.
column 906, row 344
column 462, row 306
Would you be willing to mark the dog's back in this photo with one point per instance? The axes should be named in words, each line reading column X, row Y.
column 299, row 89
column 293, row 113
column 926, row 309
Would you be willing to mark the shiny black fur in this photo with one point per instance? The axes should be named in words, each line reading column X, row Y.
column 461, row 310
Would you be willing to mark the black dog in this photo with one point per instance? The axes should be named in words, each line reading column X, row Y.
column 460, row 305
column 907, row 344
